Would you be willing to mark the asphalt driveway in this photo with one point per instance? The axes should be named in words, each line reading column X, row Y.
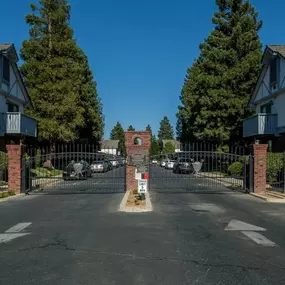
column 82, row 239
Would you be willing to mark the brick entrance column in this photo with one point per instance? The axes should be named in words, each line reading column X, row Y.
column 14, row 168
column 259, row 168
column 132, row 149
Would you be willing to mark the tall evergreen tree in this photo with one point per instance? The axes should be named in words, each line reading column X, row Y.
column 154, row 147
column 117, row 133
column 165, row 131
column 218, row 86
column 149, row 129
column 56, row 72
column 131, row 128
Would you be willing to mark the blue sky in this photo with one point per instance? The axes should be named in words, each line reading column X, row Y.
column 139, row 50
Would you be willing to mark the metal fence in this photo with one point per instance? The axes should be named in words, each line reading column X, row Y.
column 73, row 169
column 275, row 171
column 201, row 171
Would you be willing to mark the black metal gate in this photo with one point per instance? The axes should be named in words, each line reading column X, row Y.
column 201, row 171
column 73, row 169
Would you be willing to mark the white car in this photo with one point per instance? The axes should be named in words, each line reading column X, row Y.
column 162, row 163
column 154, row 161
column 169, row 164
column 115, row 163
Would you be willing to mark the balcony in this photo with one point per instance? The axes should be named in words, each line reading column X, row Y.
column 260, row 124
column 17, row 124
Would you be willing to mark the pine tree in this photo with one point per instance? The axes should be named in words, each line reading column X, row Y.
column 58, row 77
column 218, row 85
column 165, row 131
column 117, row 133
column 131, row 128
column 154, row 148
column 149, row 129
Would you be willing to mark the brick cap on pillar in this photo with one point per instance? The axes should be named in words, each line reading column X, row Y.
column 260, row 147
column 13, row 146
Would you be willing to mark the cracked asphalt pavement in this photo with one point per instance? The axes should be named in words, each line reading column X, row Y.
column 78, row 239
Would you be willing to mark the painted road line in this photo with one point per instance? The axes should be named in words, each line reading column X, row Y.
column 235, row 225
column 18, row 228
column 8, row 237
column 259, row 238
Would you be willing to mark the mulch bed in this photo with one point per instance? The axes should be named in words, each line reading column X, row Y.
column 134, row 200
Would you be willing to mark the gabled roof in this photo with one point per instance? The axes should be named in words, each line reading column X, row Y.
column 109, row 144
column 10, row 50
column 268, row 53
column 280, row 49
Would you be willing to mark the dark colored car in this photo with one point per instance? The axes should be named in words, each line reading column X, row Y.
column 77, row 170
column 183, row 165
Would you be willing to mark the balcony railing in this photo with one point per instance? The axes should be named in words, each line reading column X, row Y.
column 17, row 124
column 260, row 124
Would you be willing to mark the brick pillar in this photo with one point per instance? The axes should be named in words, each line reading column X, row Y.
column 131, row 149
column 14, row 168
column 259, row 173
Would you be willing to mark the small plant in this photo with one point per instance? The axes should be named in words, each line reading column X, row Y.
column 236, row 168
column 6, row 194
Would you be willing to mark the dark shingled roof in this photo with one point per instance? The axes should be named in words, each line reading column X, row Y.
column 5, row 46
column 278, row 48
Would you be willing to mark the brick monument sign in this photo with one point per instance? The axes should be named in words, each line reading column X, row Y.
column 137, row 149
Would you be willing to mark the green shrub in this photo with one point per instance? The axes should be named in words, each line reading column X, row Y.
column 3, row 160
column 223, row 148
column 236, row 168
column 275, row 163
column 6, row 194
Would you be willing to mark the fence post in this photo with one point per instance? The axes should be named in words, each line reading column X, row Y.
column 14, row 168
column 251, row 159
column 260, row 165
column 244, row 174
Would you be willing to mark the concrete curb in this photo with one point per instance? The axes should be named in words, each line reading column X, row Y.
column 146, row 208
column 12, row 197
column 269, row 200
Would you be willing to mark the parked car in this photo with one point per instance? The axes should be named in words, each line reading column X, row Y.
column 110, row 165
column 115, row 163
column 183, row 165
column 169, row 164
column 154, row 161
column 77, row 170
column 162, row 163
column 100, row 166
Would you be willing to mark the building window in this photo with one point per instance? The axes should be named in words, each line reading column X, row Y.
column 273, row 71
column 267, row 108
column 12, row 107
column 6, row 69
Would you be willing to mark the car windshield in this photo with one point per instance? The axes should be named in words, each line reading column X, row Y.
column 98, row 162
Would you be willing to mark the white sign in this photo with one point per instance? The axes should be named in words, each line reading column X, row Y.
column 142, row 186
column 138, row 175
